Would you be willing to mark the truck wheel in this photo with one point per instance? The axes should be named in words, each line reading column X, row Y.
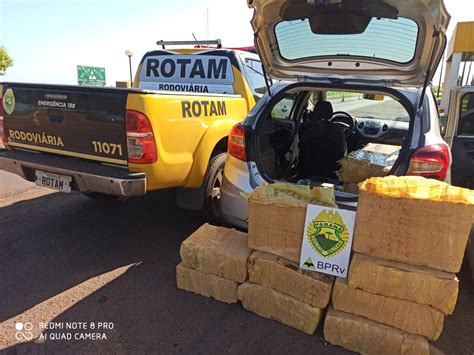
column 213, row 182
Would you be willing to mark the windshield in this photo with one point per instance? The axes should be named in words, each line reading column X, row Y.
column 388, row 39
column 385, row 108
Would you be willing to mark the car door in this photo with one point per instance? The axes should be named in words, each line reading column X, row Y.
column 462, row 170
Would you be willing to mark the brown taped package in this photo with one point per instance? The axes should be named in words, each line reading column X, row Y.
column 276, row 229
column 414, row 283
column 405, row 315
column 372, row 160
column 270, row 303
column 283, row 275
column 206, row 284
column 368, row 337
column 216, row 250
column 277, row 214
column 414, row 220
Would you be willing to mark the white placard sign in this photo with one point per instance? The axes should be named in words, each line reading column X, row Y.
column 187, row 73
column 327, row 240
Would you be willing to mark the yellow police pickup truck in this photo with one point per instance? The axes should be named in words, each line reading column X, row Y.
column 169, row 131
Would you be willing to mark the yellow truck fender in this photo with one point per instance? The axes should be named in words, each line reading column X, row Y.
column 216, row 132
column 192, row 196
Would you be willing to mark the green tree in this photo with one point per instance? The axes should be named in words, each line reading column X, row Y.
column 5, row 61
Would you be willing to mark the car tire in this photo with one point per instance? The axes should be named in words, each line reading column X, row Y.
column 212, row 183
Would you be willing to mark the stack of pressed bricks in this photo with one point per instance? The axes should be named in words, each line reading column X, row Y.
column 401, row 282
column 400, row 286
column 219, row 262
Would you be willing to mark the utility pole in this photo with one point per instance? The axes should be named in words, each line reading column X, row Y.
column 129, row 55
column 468, row 78
column 207, row 23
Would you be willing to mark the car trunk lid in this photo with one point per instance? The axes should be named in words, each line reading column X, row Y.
column 389, row 42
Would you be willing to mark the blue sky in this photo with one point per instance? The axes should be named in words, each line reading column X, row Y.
column 49, row 38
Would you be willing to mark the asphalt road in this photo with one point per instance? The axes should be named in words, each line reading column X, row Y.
column 66, row 258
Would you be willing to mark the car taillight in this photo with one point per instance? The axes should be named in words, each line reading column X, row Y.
column 432, row 161
column 141, row 144
column 3, row 124
column 236, row 143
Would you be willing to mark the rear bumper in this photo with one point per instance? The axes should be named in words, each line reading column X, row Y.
column 234, row 207
column 86, row 176
column 235, row 181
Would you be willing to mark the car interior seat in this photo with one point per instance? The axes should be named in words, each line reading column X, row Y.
column 321, row 143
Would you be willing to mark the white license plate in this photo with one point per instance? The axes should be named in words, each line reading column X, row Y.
column 53, row 181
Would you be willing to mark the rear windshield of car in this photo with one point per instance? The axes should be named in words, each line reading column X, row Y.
column 389, row 39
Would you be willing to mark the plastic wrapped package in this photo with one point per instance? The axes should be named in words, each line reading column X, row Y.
column 414, row 220
column 413, row 283
column 368, row 337
column 372, row 160
column 411, row 317
column 217, row 250
column 285, row 276
column 207, row 285
column 277, row 214
column 270, row 303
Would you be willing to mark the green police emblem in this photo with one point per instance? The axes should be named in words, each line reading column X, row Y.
column 9, row 101
column 327, row 234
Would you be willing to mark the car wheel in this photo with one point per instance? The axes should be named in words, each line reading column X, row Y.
column 213, row 182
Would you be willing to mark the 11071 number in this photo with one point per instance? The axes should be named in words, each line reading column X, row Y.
column 107, row 148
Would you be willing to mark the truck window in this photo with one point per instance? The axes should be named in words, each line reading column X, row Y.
column 255, row 76
column 466, row 117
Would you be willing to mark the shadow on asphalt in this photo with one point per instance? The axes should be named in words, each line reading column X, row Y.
column 53, row 243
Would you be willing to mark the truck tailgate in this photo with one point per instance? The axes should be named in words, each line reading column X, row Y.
column 82, row 122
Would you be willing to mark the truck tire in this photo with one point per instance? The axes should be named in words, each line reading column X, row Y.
column 212, row 183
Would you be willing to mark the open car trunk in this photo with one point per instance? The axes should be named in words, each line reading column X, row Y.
column 308, row 137
column 389, row 42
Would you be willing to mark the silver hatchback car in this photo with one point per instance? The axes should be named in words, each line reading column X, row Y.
column 349, row 73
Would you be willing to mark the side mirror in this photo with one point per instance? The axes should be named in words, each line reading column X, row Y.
column 443, row 122
column 442, row 130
